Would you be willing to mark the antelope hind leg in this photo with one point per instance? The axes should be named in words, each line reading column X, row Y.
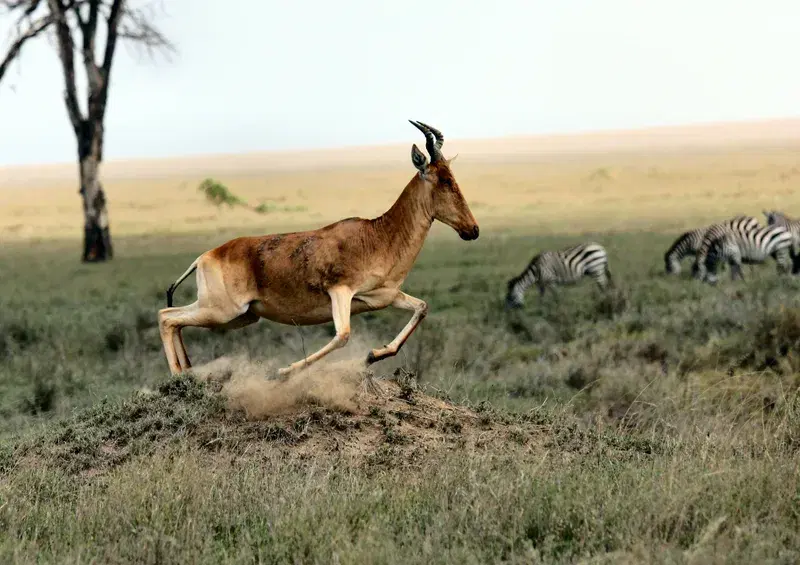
column 404, row 302
column 169, row 324
column 180, row 349
column 245, row 319
column 341, row 298
column 172, row 320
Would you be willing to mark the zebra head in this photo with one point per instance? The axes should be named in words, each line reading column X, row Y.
column 515, row 296
column 774, row 217
column 671, row 264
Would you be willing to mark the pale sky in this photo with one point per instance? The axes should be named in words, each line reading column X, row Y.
column 268, row 74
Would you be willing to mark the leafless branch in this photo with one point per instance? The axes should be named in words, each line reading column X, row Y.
column 69, row 17
column 112, row 22
column 66, row 50
column 35, row 28
column 11, row 5
column 89, row 31
column 136, row 26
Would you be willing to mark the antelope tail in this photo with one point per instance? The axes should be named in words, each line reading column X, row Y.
column 174, row 285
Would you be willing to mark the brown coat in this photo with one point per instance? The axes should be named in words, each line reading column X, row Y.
column 346, row 268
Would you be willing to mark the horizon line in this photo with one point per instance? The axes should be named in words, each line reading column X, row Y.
column 387, row 145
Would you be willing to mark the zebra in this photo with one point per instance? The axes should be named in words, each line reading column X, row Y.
column 723, row 243
column 776, row 218
column 562, row 267
column 689, row 242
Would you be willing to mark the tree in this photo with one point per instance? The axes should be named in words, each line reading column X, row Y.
column 74, row 25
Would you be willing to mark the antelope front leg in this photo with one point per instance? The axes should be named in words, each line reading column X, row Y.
column 404, row 302
column 341, row 298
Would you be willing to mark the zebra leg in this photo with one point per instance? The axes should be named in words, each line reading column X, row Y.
column 709, row 269
column 794, row 259
column 736, row 269
column 734, row 256
column 785, row 263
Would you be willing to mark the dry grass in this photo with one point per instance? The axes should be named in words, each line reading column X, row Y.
column 656, row 181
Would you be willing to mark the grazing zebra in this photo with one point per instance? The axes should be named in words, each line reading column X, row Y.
column 566, row 266
column 723, row 243
column 689, row 242
column 776, row 218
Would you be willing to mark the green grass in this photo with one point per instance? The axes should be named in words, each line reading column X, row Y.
column 660, row 423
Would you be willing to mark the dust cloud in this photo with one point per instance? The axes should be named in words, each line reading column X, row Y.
column 333, row 384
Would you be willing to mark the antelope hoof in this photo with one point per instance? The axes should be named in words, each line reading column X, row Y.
column 280, row 374
column 376, row 355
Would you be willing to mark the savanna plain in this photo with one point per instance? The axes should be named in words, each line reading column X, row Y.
column 656, row 423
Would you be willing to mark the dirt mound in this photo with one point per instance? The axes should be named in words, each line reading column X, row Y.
column 230, row 407
column 339, row 407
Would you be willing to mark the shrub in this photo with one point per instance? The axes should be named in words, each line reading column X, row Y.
column 219, row 194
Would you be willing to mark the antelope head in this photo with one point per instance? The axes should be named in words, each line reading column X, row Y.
column 448, row 204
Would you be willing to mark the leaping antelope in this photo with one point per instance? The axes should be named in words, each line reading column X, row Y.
column 305, row 278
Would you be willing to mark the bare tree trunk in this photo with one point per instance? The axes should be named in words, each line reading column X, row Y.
column 96, row 231
column 75, row 23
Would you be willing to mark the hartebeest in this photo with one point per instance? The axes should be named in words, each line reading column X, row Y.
column 346, row 268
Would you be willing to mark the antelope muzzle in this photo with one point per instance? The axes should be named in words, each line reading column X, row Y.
column 470, row 234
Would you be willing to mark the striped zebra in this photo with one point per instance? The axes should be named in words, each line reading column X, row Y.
column 776, row 218
column 563, row 267
column 689, row 242
column 723, row 243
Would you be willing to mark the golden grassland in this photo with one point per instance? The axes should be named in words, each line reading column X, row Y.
column 661, row 180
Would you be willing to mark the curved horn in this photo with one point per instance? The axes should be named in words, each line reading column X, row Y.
column 436, row 133
column 433, row 140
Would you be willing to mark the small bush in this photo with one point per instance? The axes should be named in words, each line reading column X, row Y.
column 613, row 302
column 42, row 398
column 268, row 207
column 16, row 337
column 219, row 194
column 115, row 338
column 265, row 208
column 774, row 343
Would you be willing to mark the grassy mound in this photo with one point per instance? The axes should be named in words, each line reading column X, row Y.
column 397, row 419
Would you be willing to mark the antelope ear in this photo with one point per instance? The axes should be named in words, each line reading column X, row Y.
column 418, row 158
column 453, row 158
